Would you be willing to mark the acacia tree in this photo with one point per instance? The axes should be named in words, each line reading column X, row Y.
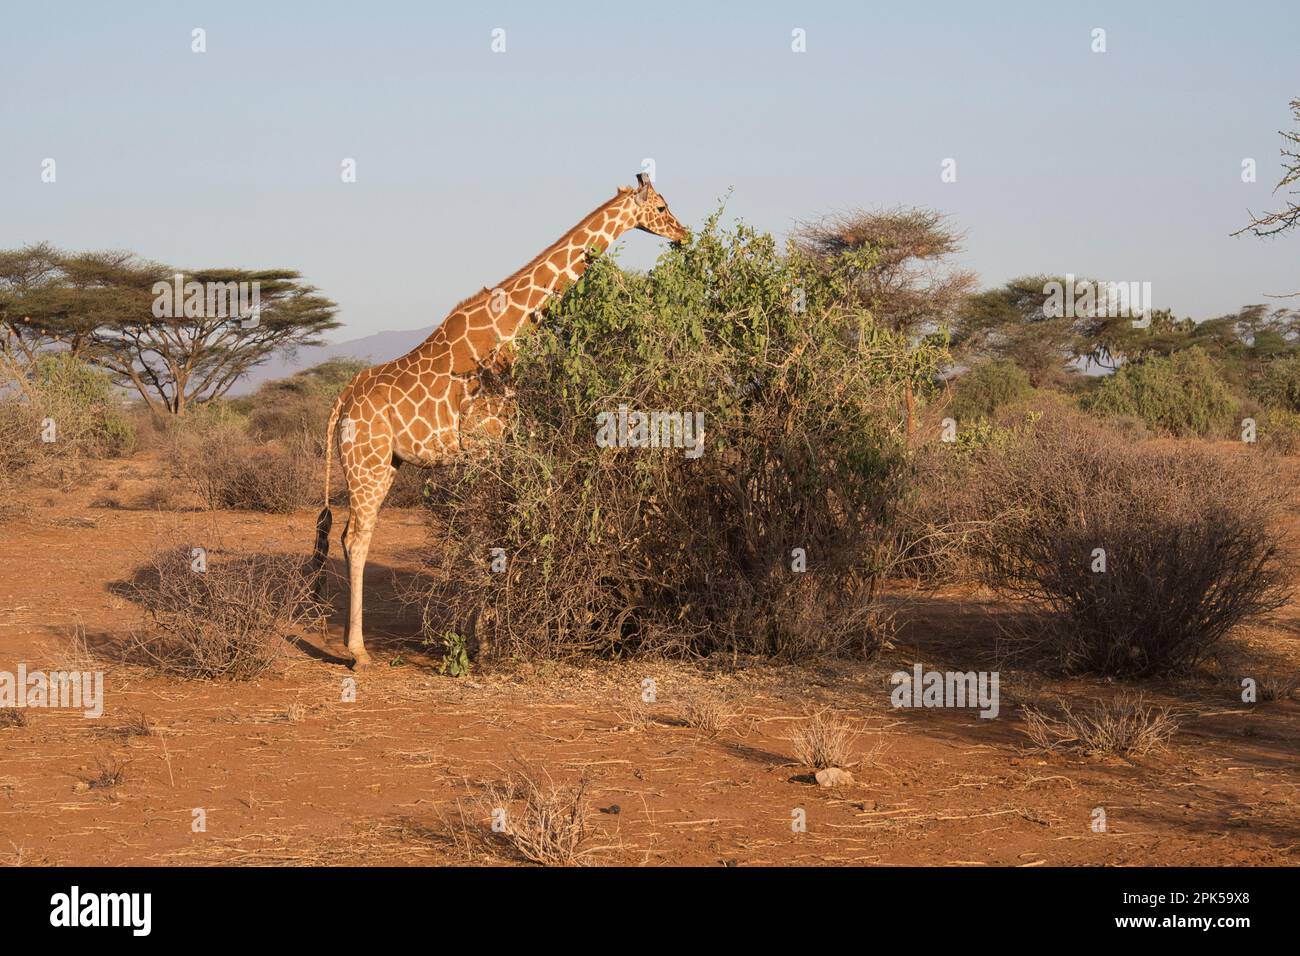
column 898, row 266
column 50, row 299
column 1011, row 322
column 177, row 361
column 908, row 281
column 178, row 339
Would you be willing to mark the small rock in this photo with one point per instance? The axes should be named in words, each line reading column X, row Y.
column 80, row 786
column 613, row 809
column 834, row 777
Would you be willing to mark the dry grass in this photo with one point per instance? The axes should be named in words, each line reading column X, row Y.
column 12, row 717
column 638, row 716
column 139, row 725
column 111, row 772
column 1125, row 726
column 163, row 495
column 533, row 818
column 1277, row 688
column 708, row 713
column 824, row 740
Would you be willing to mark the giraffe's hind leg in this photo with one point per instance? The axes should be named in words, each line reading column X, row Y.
column 367, row 493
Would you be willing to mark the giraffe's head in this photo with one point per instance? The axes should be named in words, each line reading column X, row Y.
column 652, row 213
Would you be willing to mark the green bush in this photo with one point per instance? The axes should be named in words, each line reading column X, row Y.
column 987, row 387
column 54, row 414
column 1279, row 431
column 1180, row 394
column 84, row 406
column 624, row 550
column 1278, row 384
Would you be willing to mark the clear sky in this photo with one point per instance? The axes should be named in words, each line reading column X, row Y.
column 1123, row 165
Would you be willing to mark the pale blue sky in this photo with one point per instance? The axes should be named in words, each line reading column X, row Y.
column 1124, row 165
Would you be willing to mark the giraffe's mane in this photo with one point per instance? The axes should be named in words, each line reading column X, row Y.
column 537, row 259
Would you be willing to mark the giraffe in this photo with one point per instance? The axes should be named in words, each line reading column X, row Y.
column 444, row 398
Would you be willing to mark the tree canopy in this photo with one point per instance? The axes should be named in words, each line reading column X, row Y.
column 902, row 271
column 178, row 338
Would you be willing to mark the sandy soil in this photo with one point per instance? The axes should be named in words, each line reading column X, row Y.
column 287, row 772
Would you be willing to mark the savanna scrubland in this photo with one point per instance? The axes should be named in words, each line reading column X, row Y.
column 655, row 657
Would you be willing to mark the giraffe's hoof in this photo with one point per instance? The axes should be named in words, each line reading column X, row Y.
column 361, row 663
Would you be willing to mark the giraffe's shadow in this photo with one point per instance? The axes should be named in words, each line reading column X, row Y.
column 394, row 618
column 394, row 613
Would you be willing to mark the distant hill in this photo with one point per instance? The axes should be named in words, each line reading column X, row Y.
column 376, row 348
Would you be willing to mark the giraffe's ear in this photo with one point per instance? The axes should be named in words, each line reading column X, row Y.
column 642, row 180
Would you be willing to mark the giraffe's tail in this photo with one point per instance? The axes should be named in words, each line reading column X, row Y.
column 324, row 520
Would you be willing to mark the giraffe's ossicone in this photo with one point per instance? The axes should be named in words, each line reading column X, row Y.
column 447, row 395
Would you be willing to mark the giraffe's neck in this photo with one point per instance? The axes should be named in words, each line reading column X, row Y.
column 513, row 301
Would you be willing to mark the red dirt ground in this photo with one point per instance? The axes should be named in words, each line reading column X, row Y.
column 289, row 773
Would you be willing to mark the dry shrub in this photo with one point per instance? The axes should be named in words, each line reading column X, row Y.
column 638, row 716
column 707, row 712
column 138, row 726
column 935, row 524
column 227, row 468
column 544, row 822
column 12, row 717
column 1187, row 531
column 228, row 622
column 939, row 518
column 1279, row 431
column 20, row 436
column 824, row 740
column 1126, row 726
column 301, row 403
column 153, row 430
column 163, row 495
